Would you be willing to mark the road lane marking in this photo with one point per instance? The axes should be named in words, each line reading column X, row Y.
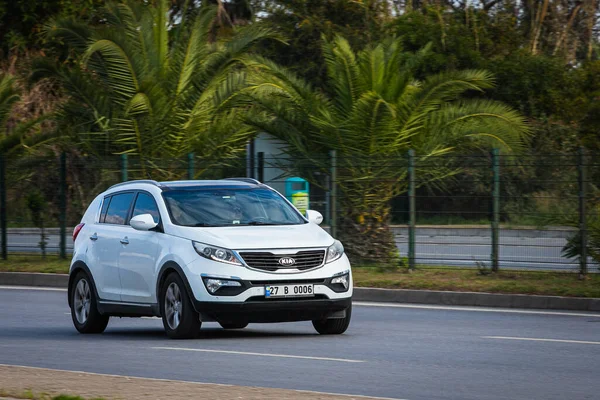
column 540, row 339
column 353, row 396
column 48, row 289
column 245, row 353
column 472, row 309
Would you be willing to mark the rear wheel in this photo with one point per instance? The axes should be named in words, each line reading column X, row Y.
column 84, row 307
column 179, row 318
column 334, row 326
column 233, row 325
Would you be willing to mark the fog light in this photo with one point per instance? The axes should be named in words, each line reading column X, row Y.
column 341, row 280
column 215, row 284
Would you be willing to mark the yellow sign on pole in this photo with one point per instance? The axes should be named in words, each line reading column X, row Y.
column 300, row 201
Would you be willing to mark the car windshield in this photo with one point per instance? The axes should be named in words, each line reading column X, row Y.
column 229, row 207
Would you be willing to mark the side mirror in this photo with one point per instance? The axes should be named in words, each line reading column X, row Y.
column 143, row 222
column 314, row 216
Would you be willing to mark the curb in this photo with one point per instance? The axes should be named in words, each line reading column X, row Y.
column 381, row 295
column 476, row 299
column 34, row 279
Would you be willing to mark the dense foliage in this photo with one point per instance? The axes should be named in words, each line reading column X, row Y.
column 158, row 79
column 376, row 112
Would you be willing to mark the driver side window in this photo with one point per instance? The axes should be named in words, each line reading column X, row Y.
column 145, row 204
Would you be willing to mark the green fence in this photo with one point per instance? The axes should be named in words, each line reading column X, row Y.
column 526, row 212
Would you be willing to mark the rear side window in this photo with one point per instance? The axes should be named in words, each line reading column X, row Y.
column 145, row 204
column 105, row 204
column 118, row 209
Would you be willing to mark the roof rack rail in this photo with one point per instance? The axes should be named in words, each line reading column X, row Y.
column 150, row 181
column 247, row 180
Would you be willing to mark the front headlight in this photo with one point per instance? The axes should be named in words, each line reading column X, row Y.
column 216, row 253
column 335, row 251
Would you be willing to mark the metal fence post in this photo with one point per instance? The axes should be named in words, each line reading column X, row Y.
column 333, row 206
column 412, row 212
column 260, row 159
column 583, row 234
column 251, row 155
column 495, row 210
column 63, row 205
column 123, row 167
column 3, row 205
column 191, row 166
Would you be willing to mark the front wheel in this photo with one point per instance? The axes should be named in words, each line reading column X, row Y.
column 179, row 318
column 334, row 326
column 84, row 308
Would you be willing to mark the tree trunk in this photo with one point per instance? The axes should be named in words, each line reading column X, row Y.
column 363, row 228
column 591, row 22
column 565, row 31
column 537, row 26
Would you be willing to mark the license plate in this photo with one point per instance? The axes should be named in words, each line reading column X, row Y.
column 289, row 291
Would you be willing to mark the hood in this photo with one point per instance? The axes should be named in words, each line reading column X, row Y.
column 259, row 237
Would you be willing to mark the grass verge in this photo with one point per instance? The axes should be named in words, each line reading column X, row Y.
column 429, row 278
column 470, row 280
column 34, row 263
column 28, row 394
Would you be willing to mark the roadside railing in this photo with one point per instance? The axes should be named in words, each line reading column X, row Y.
column 489, row 211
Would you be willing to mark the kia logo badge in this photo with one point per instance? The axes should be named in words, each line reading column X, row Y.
column 287, row 261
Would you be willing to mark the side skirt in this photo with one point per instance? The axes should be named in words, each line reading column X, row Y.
column 121, row 309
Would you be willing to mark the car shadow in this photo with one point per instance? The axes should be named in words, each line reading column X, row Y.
column 204, row 333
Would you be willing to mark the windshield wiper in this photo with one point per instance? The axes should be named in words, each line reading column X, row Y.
column 260, row 223
column 203, row 224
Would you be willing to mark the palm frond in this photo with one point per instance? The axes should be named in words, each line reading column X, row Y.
column 343, row 72
column 119, row 67
column 9, row 95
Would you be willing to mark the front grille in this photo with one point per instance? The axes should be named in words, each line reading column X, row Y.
column 268, row 261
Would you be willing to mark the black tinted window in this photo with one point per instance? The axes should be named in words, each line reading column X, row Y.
column 145, row 204
column 118, row 208
column 105, row 204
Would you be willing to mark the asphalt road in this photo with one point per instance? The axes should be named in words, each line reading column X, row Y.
column 404, row 352
column 465, row 251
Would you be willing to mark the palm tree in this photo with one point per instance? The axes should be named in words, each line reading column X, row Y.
column 143, row 87
column 9, row 95
column 373, row 113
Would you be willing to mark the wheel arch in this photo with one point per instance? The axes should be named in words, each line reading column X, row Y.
column 80, row 266
column 168, row 268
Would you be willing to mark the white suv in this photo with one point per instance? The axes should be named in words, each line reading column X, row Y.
column 233, row 251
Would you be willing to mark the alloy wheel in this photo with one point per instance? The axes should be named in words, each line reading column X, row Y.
column 173, row 305
column 82, row 301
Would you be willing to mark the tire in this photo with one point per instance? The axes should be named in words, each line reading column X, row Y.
column 334, row 326
column 233, row 325
column 84, row 306
column 179, row 318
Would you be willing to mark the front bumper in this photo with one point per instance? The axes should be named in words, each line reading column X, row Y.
column 248, row 303
column 254, row 282
column 259, row 310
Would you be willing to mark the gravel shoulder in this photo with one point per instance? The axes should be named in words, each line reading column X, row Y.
column 16, row 380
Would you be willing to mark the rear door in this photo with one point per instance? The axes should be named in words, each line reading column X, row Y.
column 138, row 255
column 106, row 237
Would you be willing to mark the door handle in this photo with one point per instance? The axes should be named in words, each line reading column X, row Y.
column 94, row 237
column 125, row 240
